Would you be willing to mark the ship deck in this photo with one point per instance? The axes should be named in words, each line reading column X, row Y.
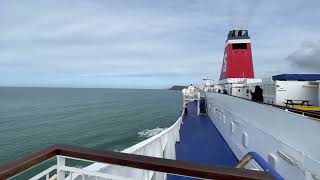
column 201, row 142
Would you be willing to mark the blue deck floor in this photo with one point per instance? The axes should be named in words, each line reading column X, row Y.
column 201, row 142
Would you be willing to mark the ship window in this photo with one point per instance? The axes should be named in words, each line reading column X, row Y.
column 245, row 33
column 240, row 33
column 239, row 46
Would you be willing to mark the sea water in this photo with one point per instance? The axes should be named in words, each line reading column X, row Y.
column 106, row 119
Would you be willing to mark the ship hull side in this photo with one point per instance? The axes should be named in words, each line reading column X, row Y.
column 273, row 133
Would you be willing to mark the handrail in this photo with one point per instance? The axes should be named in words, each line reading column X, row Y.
column 313, row 115
column 131, row 160
column 262, row 163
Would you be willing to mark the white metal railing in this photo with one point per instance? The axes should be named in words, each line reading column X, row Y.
column 161, row 145
column 72, row 172
column 45, row 173
column 191, row 96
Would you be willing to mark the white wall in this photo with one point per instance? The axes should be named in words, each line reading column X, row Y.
column 247, row 126
column 301, row 90
column 269, row 92
column 276, row 92
column 319, row 93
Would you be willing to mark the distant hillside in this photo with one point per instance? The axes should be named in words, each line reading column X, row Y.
column 177, row 87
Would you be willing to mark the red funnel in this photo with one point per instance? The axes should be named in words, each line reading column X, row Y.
column 237, row 61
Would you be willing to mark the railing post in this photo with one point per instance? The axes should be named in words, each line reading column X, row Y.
column 61, row 161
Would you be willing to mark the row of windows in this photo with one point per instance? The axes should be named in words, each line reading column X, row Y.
column 238, row 33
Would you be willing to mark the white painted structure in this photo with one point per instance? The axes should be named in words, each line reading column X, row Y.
column 240, row 87
column 276, row 92
column 318, row 92
column 286, row 140
column 232, row 81
column 190, row 94
column 249, row 86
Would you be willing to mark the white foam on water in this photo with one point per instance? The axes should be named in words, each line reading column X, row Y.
column 150, row 132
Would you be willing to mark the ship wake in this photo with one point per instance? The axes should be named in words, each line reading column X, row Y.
column 150, row 132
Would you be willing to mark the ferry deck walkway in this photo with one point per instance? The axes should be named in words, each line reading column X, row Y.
column 201, row 142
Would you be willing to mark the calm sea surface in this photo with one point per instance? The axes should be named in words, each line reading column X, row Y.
column 106, row 119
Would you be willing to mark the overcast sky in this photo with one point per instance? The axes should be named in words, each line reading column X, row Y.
column 149, row 43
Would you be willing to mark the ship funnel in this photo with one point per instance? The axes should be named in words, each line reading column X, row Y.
column 237, row 60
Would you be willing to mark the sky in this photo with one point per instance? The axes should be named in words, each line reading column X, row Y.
column 149, row 43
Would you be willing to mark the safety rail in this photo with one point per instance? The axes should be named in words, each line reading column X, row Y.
column 313, row 114
column 262, row 163
column 192, row 96
column 124, row 159
column 161, row 145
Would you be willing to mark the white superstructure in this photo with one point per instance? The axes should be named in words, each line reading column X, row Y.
column 286, row 140
column 277, row 92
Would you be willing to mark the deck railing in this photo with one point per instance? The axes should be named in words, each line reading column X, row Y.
column 122, row 159
column 161, row 145
column 313, row 114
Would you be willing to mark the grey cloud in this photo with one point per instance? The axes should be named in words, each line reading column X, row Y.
column 307, row 56
column 179, row 40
